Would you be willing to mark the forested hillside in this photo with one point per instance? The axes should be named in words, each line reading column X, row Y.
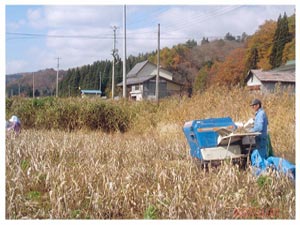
column 196, row 65
column 199, row 65
column 44, row 83
column 88, row 76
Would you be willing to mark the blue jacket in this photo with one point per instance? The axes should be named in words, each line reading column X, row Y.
column 261, row 125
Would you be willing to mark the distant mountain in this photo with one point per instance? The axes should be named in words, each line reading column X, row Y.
column 44, row 82
column 13, row 77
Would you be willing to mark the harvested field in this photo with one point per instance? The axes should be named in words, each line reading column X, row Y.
column 147, row 172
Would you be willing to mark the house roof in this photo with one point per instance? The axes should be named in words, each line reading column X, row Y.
column 291, row 62
column 137, row 80
column 136, row 69
column 140, row 80
column 289, row 66
column 273, row 75
column 134, row 76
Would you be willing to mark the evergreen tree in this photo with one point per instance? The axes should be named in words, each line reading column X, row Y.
column 191, row 43
column 201, row 79
column 289, row 52
column 252, row 59
column 37, row 93
column 244, row 37
column 281, row 37
column 204, row 41
column 229, row 37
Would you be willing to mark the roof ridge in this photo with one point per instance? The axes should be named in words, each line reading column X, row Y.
column 137, row 68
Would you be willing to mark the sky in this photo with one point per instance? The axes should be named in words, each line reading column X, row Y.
column 37, row 34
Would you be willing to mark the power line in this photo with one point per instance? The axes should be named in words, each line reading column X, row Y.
column 183, row 25
column 146, row 17
column 35, row 35
column 166, row 37
column 163, row 37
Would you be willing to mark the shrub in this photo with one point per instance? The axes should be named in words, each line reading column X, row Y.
column 70, row 114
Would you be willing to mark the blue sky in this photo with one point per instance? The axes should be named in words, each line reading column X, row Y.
column 35, row 35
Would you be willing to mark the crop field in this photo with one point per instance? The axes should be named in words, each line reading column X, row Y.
column 145, row 171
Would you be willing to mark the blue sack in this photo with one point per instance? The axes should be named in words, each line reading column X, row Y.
column 281, row 165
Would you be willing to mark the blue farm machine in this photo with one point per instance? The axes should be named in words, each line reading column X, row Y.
column 217, row 139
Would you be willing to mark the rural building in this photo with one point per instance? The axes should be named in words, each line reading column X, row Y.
column 266, row 81
column 141, row 82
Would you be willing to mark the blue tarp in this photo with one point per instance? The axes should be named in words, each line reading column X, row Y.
column 281, row 165
column 96, row 92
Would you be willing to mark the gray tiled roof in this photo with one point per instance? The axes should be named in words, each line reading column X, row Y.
column 134, row 71
column 138, row 80
column 135, row 76
column 274, row 76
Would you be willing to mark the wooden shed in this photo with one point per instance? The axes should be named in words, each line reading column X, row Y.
column 266, row 81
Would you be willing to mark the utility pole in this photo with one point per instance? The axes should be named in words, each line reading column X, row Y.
column 33, row 85
column 113, row 68
column 57, row 76
column 100, row 83
column 124, row 53
column 158, row 62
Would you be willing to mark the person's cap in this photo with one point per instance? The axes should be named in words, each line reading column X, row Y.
column 255, row 102
column 14, row 119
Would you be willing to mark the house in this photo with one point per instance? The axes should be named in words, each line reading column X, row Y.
column 141, row 82
column 266, row 81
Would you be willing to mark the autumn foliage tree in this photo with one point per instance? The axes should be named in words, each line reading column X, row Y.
column 231, row 71
column 178, row 60
column 201, row 80
column 170, row 58
column 272, row 45
column 259, row 46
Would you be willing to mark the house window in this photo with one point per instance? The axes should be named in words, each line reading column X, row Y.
column 136, row 87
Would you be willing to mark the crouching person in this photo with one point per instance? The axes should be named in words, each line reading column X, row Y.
column 13, row 125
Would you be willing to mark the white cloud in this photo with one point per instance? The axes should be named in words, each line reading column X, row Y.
column 79, row 16
column 79, row 47
column 86, row 34
column 16, row 65
column 34, row 14
column 35, row 18
column 216, row 21
column 15, row 25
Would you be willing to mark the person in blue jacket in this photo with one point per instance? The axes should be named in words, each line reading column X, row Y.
column 261, row 126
